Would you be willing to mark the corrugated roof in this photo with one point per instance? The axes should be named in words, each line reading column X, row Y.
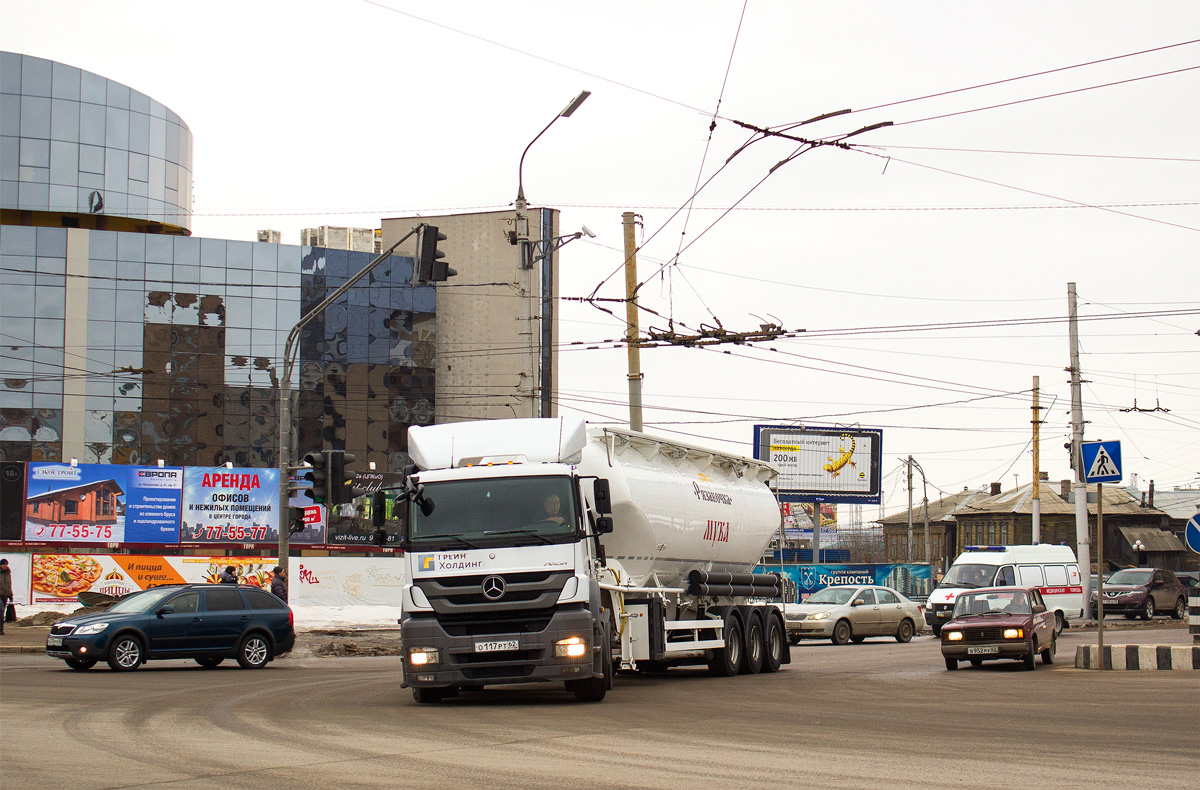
column 1117, row 502
column 1152, row 539
column 1180, row 503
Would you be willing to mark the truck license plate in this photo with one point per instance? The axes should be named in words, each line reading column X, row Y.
column 491, row 647
column 54, row 641
column 975, row 651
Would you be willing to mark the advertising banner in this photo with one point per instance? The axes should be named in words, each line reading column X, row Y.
column 911, row 580
column 823, row 464
column 346, row 581
column 18, row 566
column 59, row 578
column 222, row 505
column 102, row 503
column 314, row 581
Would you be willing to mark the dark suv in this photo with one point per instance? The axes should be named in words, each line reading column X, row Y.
column 205, row 622
column 1142, row 592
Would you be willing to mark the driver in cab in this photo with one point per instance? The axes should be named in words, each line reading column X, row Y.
column 553, row 506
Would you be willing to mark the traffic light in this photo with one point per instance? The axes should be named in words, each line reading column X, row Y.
column 319, row 476
column 378, row 516
column 430, row 266
column 295, row 520
column 339, row 491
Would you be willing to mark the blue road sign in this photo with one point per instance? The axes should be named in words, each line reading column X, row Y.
column 1191, row 533
column 1102, row 462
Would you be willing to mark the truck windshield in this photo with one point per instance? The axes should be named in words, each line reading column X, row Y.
column 969, row 576
column 503, row 511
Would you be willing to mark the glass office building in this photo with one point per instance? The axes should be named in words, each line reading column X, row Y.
column 123, row 339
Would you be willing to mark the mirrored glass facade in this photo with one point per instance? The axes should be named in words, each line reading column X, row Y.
column 171, row 349
column 89, row 151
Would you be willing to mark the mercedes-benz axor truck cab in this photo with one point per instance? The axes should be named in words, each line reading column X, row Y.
column 1052, row 569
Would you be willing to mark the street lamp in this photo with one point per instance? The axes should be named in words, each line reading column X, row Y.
column 566, row 113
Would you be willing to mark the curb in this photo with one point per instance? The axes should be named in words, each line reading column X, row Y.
column 1139, row 657
column 22, row 649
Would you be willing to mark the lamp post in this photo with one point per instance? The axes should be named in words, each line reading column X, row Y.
column 525, row 256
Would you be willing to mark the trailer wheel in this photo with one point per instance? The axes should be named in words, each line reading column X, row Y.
column 752, row 655
column 775, row 642
column 726, row 661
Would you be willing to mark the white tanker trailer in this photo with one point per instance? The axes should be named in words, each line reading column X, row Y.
column 543, row 550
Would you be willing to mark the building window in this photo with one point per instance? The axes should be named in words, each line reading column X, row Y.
column 70, row 507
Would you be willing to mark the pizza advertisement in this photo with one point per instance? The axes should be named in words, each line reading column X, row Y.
column 59, row 578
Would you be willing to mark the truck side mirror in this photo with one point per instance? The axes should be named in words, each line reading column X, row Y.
column 604, row 525
column 602, row 495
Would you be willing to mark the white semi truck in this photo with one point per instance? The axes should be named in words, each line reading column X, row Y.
column 543, row 550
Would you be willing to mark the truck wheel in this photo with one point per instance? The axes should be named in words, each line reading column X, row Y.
column 841, row 633
column 593, row 689
column 752, row 655
column 726, row 661
column 425, row 696
column 776, row 644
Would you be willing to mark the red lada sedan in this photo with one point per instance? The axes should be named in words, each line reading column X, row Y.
column 999, row 623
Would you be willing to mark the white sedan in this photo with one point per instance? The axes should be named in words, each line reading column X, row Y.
column 851, row 613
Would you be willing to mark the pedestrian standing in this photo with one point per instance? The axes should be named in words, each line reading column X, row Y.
column 6, row 592
column 279, row 583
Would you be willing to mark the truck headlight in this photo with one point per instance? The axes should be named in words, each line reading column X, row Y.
column 90, row 628
column 954, row 636
column 422, row 656
column 572, row 647
column 1014, row 633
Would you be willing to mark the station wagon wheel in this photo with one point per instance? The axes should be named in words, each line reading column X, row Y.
column 841, row 633
column 254, row 652
column 1148, row 612
column 80, row 664
column 125, row 655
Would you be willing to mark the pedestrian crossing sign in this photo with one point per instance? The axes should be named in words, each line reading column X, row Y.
column 1102, row 462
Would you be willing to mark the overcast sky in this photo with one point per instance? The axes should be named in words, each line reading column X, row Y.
column 1030, row 146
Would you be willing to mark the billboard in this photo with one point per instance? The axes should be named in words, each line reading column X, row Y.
column 102, row 503
column 911, row 580
column 222, row 505
column 823, row 464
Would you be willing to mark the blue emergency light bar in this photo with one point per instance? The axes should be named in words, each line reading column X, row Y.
column 986, row 548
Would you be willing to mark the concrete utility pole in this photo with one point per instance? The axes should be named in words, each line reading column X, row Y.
column 631, row 322
column 1083, row 552
column 910, row 524
column 1036, row 505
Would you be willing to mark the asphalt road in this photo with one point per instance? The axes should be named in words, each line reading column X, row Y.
column 875, row 715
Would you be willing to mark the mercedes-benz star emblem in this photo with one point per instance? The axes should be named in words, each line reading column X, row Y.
column 493, row 588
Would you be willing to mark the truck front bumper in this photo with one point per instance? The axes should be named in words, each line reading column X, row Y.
column 480, row 659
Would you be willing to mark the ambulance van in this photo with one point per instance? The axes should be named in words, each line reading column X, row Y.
column 1052, row 569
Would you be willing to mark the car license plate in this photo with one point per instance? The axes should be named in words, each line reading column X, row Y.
column 985, row 649
column 491, row 647
column 54, row 641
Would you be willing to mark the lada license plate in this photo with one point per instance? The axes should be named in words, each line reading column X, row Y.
column 54, row 641
column 491, row 647
column 982, row 650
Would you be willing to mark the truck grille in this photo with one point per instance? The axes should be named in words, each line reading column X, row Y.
column 527, row 621
column 464, row 595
